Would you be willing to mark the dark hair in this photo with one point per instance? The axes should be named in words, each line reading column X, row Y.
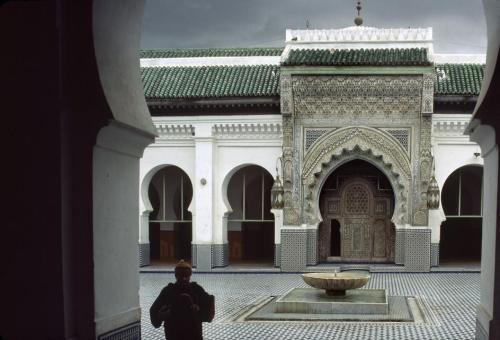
column 183, row 271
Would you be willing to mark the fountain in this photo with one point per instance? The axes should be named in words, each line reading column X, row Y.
column 336, row 284
column 342, row 295
column 335, row 296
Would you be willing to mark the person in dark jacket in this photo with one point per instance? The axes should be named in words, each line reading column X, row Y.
column 179, row 306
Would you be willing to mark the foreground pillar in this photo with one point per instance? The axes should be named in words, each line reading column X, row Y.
column 486, row 322
column 115, row 233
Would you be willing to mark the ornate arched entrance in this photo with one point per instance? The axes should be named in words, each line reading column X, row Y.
column 346, row 144
column 357, row 202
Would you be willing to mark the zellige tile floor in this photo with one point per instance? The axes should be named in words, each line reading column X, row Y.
column 449, row 301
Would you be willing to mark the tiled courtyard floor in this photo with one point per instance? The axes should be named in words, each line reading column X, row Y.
column 449, row 301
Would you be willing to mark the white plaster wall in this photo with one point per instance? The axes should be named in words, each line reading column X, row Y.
column 156, row 156
column 212, row 156
column 452, row 150
column 232, row 156
column 450, row 157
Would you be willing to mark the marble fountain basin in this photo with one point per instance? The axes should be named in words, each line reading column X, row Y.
column 335, row 284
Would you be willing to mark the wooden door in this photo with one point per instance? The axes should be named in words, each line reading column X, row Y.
column 363, row 212
column 356, row 221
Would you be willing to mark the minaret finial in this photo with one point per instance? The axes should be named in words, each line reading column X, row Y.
column 358, row 20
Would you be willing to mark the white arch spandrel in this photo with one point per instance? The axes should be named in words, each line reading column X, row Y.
column 146, row 206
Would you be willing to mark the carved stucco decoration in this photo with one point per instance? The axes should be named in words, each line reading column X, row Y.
column 342, row 145
column 357, row 96
column 428, row 94
column 286, row 96
column 424, row 170
column 291, row 216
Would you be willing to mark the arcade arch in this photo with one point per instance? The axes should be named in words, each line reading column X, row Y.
column 250, row 223
column 462, row 202
column 170, row 222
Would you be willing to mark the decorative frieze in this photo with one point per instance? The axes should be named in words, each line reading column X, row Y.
column 355, row 97
column 245, row 131
column 171, row 131
column 449, row 128
column 360, row 34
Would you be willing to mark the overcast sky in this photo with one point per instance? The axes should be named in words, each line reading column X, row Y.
column 459, row 25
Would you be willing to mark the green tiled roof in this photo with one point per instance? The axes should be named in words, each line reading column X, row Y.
column 211, row 52
column 458, row 79
column 359, row 57
column 210, row 81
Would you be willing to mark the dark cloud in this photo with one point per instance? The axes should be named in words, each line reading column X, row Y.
column 459, row 25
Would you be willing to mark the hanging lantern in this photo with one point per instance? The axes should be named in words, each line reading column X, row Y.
column 277, row 194
column 433, row 194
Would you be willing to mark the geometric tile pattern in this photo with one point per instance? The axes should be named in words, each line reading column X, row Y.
column 204, row 255
column 220, row 255
column 418, row 250
column 450, row 300
column 312, row 135
column 193, row 255
column 312, row 247
column 434, row 254
column 402, row 135
column 293, row 250
column 277, row 255
column 400, row 246
column 144, row 258
column 128, row 332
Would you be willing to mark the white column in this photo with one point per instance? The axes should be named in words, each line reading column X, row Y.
column 278, row 224
column 436, row 218
column 203, row 194
column 144, row 227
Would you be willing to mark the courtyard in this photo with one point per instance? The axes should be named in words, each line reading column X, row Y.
column 447, row 302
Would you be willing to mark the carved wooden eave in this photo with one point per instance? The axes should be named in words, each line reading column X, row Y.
column 214, row 103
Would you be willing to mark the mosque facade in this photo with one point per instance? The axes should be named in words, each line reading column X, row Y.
column 346, row 146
